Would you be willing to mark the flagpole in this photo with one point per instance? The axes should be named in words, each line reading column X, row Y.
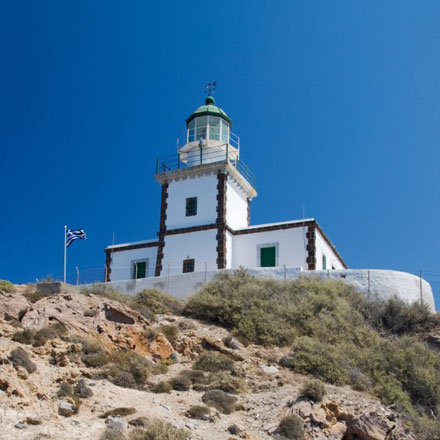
column 65, row 253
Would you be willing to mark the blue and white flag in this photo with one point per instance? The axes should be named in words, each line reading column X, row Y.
column 74, row 234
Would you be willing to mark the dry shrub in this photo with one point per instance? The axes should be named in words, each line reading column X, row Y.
column 220, row 400
column 93, row 353
column 6, row 286
column 106, row 291
column 161, row 387
column 180, row 383
column 66, row 390
column 170, row 332
column 313, row 389
column 130, row 370
column 213, row 362
column 157, row 302
column 226, row 382
column 291, row 427
column 82, row 390
column 158, row 430
column 19, row 357
column 199, row 412
column 121, row 412
column 46, row 333
column 24, row 337
column 195, row 376
column 33, row 295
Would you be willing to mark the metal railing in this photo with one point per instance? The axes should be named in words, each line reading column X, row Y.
column 204, row 156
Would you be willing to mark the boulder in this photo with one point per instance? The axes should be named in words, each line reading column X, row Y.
column 370, row 426
column 65, row 409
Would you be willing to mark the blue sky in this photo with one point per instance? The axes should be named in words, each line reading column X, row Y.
column 337, row 105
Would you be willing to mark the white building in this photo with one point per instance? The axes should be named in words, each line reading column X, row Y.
column 205, row 214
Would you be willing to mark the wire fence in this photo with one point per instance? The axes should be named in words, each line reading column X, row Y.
column 79, row 275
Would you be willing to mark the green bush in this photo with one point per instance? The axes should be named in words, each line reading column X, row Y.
column 220, row 400
column 291, row 427
column 6, row 286
column 313, row 389
column 158, row 430
column 19, row 357
column 336, row 334
column 121, row 412
column 213, row 361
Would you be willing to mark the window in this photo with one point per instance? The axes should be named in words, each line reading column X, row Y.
column 201, row 128
column 188, row 265
column 324, row 262
column 191, row 206
column 268, row 256
column 225, row 133
column 139, row 269
column 192, row 131
column 214, row 128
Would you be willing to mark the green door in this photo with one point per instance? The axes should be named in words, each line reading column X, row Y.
column 268, row 256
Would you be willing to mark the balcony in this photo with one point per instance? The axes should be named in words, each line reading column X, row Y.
column 206, row 156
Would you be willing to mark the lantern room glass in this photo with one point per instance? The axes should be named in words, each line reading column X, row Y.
column 208, row 127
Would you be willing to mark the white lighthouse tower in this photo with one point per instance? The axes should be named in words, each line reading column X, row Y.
column 206, row 191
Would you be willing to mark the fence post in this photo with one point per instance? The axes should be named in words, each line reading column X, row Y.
column 77, row 275
column 285, row 271
column 368, row 274
column 168, row 280
column 206, row 269
column 421, row 288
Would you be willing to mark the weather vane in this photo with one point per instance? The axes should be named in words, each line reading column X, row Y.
column 210, row 87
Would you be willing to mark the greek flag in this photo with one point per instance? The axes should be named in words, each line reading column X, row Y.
column 74, row 234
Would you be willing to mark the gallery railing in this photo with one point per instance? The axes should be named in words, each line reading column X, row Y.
column 205, row 156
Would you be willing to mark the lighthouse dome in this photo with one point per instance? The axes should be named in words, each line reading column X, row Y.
column 209, row 109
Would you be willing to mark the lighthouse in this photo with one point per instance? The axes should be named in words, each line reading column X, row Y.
column 206, row 194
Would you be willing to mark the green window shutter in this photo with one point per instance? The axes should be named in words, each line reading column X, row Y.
column 140, row 269
column 268, row 256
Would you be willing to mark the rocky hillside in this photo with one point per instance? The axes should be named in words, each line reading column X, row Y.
column 97, row 365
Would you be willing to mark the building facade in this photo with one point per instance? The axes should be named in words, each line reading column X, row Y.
column 205, row 214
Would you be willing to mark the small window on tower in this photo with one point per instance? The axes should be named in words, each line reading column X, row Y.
column 188, row 265
column 191, row 206
column 324, row 262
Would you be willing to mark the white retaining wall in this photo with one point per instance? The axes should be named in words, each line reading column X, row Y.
column 376, row 283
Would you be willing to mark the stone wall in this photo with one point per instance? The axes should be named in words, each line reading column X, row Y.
column 375, row 283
